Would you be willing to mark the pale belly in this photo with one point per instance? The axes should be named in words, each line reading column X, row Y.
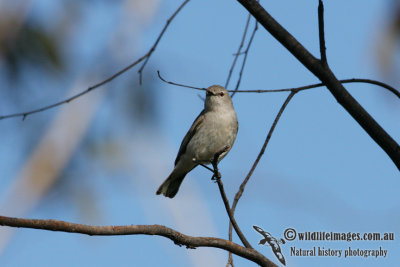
column 211, row 139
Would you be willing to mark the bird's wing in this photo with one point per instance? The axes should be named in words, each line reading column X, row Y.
column 192, row 131
column 262, row 232
column 262, row 241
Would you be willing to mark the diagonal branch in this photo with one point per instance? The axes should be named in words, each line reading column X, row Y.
column 159, row 38
column 260, row 154
column 217, row 177
column 246, row 53
column 325, row 75
column 239, row 51
column 230, row 214
column 109, row 79
column 160, row 230
column 27, row 113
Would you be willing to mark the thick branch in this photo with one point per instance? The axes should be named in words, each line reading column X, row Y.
column 160, row 230
column 323, row 72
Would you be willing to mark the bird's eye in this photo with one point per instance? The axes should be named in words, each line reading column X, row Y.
column 221, row 94
column 208, row 93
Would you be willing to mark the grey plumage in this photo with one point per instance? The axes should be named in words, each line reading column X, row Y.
column 214, row 129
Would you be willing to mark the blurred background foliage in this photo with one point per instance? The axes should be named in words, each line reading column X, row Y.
column 28, row 45
column 388, row 45
column 51, row 49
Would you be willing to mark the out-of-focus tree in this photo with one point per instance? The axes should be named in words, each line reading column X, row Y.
column 43, row 55
column 388, row 43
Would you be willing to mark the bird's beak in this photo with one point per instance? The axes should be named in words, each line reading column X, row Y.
column 209, row 93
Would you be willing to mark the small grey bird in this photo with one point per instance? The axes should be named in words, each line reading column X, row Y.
column 213, row 131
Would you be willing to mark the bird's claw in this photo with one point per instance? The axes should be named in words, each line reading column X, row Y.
column 216, row 177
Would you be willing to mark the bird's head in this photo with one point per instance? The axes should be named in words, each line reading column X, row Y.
column 217, row 97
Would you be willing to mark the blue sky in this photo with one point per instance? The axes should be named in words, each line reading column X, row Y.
column 320, row 172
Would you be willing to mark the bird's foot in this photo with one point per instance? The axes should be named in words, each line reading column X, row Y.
column 216, row 176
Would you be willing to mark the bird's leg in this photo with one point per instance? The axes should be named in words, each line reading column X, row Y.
column 217, row 175
column 205, row 166
column 214, row 162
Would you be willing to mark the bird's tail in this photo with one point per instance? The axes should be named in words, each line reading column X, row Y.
column 171, row 185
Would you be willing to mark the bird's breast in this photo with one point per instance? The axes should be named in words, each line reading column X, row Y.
column 218, row 131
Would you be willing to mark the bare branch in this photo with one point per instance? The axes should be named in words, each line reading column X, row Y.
column 311, row 86
column 159, row 38
column 179, row 84
column 321, row 28
column 159, row 230
column 324, row 73
column 217, row 177
column 301, row 88
column 230, row 214
column 260, row 154
column 144, row 57
column 381, row 84
column 246, row 52
column 239, row 51
column 27, row 113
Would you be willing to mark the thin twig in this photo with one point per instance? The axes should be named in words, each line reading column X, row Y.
column 381, row 84
column 311, row 86
column 27, row 113
column 179, row 84
column 269, row 135
column 109, row 79
column 239, row 51
column 321, row 28
column 260, row 154
column 246, row 52
column 159, row 38
column 159, row 230
column 301, row 88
